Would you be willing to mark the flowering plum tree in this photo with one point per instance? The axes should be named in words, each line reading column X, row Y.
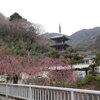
column 12, row 66
column 57, row 68
column 60, row 73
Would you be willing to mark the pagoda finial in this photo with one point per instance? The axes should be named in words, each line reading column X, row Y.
column 59, row 28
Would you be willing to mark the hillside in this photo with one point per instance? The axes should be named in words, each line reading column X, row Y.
column 18, row 37
column 86, row 39
column 49, row 35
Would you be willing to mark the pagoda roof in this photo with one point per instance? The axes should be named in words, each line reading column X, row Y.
column 60, row 38
column 59, row 45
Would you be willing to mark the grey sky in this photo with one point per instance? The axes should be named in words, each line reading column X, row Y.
column 73, row 15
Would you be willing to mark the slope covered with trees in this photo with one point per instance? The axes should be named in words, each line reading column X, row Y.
column 19, row 36
column 86, row 39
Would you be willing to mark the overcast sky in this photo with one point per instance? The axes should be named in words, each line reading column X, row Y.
column 73, row 15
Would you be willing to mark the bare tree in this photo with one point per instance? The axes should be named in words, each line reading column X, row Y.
column 39, row 28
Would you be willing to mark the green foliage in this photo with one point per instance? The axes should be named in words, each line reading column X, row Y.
column 98, row 81
column 80, row 82
column 90, row 82
column 74, row 58
column 95, row 80
column 70, row 49
column 90, row 78
column 53, row 54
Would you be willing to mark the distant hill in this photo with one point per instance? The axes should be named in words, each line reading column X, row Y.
column 49, row 35
column 86, row 39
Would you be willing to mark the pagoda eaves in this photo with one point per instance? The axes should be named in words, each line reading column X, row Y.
column 59, row 45
column 60, row 38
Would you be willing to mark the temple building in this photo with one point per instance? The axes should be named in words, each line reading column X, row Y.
column 60, row 42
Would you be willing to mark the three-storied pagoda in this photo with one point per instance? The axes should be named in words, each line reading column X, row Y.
column 60, row 42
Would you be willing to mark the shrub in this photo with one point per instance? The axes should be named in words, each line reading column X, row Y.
column 90, row 78
column 80, row 82
column 98, row 81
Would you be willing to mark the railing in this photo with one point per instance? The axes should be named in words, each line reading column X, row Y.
column 33, row 92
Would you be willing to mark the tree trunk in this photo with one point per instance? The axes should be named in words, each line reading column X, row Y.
column 71, row 65
column 15, row 79
column 86, row 71
column 93, row 70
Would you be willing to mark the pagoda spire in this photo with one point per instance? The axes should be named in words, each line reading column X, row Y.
column 59, row 28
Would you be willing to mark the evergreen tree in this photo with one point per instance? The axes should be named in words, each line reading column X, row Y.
column 15, row 16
